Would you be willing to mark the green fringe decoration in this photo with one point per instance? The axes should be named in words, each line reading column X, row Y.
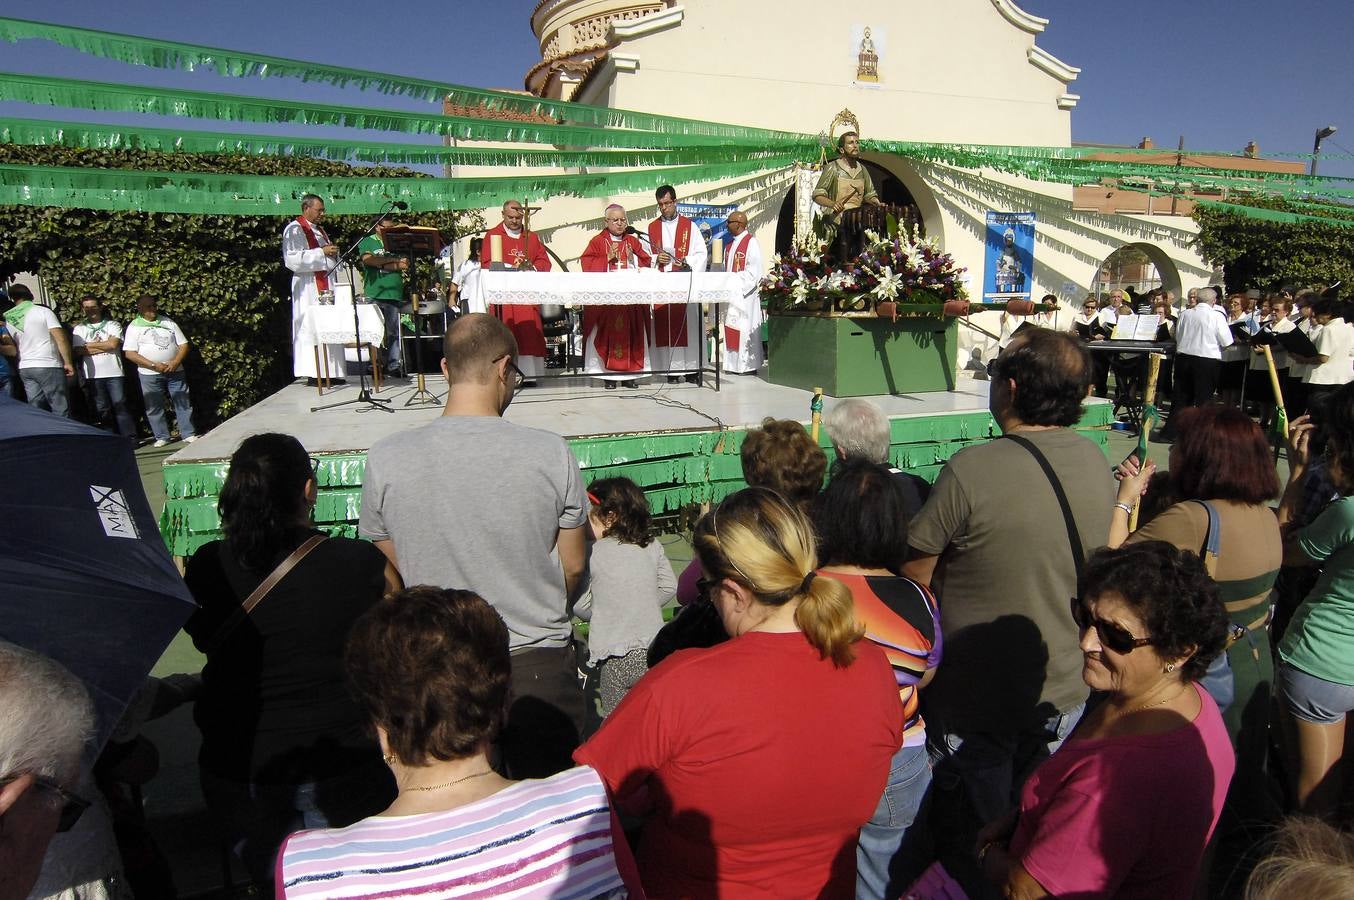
column 161, row 54
column 46, row 132
column 73, row 93
column 214, row 193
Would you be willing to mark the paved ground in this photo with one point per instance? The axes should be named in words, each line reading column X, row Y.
column 173, row 800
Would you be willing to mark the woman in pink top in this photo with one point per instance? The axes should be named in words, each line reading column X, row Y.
column 1126, row 806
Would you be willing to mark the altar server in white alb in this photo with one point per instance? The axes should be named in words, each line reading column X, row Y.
column 310, row 255
column 743, row 319
column 677, row 245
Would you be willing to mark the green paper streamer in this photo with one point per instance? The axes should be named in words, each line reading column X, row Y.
column 47, row 132
column 108, row 97
column 163, row 54
column 215, row 193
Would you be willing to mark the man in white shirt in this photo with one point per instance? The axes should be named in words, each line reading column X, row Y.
column 743, row 320
column 1201, row 334
column 44, row 352
column 677, row 245
column 97, row 343
column 310, row 255
column 157, row 346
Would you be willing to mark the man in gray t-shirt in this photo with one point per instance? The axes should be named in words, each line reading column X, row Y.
column 501, row 502
column 993, row 543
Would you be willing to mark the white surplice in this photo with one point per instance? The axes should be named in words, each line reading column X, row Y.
column 745, row 315
column 682, row 360
column 304, row 262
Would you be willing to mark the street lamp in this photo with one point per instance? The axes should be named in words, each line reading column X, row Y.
column 1321, row 135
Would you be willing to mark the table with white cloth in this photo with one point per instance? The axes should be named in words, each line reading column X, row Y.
column 333, row 324
column 640, row 287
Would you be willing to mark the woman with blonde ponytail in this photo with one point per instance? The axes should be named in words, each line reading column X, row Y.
column 757, row 760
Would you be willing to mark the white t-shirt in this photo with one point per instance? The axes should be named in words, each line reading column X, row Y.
column 1336, row 343
column 157, row 343
column 99, row 365
column 33, row 337
column 1202, row 331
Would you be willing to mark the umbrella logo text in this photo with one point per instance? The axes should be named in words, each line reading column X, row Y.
column 113, row 512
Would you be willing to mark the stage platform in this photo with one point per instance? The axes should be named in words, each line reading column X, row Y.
column 680, row 442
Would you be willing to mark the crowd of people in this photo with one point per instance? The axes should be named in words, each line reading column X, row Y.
column 1043, row 675
column 50, row 365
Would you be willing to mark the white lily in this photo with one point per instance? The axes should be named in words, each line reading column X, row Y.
column 889, row 283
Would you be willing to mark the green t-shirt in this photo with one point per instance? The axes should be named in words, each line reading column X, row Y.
column 1320, row 639
column 379, row 284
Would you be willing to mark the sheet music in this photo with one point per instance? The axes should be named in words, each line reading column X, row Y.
column 1136, row 328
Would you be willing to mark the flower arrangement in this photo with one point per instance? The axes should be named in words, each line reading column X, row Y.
column 898, row 270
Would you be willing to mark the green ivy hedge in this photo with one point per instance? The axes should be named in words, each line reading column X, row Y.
column 220, row 277
column 1265, row 255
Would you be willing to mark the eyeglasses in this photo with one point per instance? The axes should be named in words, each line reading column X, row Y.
column 703, row 587
column 314, row 464
column 1112, row 637
column 518, row 376
column 72, row 806
column 993, row 367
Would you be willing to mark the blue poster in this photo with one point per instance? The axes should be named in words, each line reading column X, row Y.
column 1009, row 268
column 709, row 219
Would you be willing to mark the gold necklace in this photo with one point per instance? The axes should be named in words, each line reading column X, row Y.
column 1160, row 702
column 438, row 787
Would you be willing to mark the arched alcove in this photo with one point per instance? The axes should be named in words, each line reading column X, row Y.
column 897, row 184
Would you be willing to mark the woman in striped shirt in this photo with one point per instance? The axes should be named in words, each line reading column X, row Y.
column 431, row 667
column 862, row 542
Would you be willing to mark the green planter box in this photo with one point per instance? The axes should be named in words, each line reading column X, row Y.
column 865, row 356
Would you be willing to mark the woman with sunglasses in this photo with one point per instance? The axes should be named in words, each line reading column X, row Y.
column 283, row 744
column 1221, row 468
column 1125, row 807
column 757, row 760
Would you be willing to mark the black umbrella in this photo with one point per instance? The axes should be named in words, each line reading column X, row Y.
column 84, row 575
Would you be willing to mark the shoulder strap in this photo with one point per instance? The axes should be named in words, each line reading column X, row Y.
column 241, row 612
column 1073, row 536
column 1212, row 539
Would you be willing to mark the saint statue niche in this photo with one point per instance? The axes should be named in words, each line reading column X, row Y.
column 867, row 60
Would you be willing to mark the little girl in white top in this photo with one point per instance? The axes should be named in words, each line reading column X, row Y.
column 630, row 580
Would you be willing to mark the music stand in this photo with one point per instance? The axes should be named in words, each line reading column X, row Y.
column 411, row 241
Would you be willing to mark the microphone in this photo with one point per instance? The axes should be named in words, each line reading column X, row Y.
column 399, row 204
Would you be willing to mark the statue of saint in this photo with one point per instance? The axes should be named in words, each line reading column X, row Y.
column 845, row 185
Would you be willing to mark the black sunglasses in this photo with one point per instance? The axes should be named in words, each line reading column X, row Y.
column 72, row 806
column 1112, row 636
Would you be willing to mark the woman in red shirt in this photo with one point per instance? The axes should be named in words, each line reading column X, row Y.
column 758, row 760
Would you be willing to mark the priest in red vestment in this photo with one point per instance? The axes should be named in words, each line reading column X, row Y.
column 521, row 250
column 678, row 246
column 615, row 338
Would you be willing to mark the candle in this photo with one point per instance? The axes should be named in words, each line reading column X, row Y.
column 495, row 248
column 717, row 252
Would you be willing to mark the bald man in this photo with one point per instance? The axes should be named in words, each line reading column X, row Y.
column 521, row 250
column 615, row 337
column 743, row 319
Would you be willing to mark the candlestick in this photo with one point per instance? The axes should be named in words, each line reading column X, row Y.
column 495, row 248
column 717, row 252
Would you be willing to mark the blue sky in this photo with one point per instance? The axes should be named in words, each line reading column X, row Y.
column 1218, row 73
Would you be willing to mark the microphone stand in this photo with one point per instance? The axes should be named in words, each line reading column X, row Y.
column 364, row 394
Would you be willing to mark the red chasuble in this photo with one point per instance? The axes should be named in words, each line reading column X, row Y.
column 620, row 330
column 669, row 319
column 523, row 321
column 736, row 260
